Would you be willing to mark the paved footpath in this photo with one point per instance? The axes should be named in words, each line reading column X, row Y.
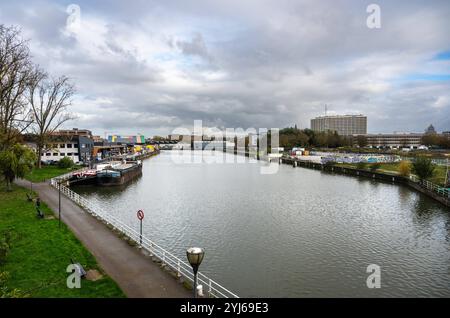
column 135, row 273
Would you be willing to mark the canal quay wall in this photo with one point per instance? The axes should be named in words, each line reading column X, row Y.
column 368, row 174
column 147, row 155
column 137, row 157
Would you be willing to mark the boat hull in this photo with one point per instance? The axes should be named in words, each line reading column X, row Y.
column 114, row 179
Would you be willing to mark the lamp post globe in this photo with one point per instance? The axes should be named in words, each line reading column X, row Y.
column 195, row 257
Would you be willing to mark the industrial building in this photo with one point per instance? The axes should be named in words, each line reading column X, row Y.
column 395, row 140
column 78, row 148
column 137, row 139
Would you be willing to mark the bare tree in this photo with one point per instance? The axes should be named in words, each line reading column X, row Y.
column 16, row 75
column 49, row 99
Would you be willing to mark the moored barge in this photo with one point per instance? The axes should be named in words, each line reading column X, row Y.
column 111, row 174
column 120, row 174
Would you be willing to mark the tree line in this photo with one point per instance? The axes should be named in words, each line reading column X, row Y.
column 31, row 100
column 435, row 140
column 293, row 137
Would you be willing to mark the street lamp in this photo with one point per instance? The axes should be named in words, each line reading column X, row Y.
column 195, row 257
column 59, row 203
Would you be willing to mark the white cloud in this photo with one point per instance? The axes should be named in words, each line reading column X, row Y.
column 442, row 102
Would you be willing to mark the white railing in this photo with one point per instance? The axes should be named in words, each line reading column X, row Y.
column 70, row 174
column 167, row 259
column 432, row 187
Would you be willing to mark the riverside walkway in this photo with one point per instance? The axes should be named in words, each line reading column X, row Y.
column 135, row 273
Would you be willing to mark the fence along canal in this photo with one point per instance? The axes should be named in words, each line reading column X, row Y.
column 167, row 259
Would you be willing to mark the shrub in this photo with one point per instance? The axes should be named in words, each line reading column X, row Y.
column 5, row 239
column 65, row 162
column 16, row 162
column 375, row 166
column 361, row 165
column 5, row 292
column 423, row 168
column 404, row 168
column 329, row 164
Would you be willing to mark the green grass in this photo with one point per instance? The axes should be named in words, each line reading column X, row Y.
column 40, row 252
column 392, row 168
column 47, row 172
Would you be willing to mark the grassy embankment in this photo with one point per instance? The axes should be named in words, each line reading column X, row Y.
column 48, row 172
column 39, row 252
column 392, row 168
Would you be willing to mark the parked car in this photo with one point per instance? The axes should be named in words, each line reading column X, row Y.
column 49, row 162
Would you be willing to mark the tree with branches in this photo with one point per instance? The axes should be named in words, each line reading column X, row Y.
column 16, row 75
column 49, row 99
column 423, row 167
column 361, row 140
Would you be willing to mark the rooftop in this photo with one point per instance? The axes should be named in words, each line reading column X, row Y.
column 340, row 116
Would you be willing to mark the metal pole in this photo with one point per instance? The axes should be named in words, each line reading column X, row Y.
column 59, row 203
column 195, row 284
column 140, row 237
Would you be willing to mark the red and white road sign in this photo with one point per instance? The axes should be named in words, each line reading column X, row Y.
column 140, row 215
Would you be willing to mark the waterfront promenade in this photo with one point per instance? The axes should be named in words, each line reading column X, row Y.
column 135, row 273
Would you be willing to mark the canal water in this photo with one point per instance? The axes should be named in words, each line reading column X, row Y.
column 295, row 233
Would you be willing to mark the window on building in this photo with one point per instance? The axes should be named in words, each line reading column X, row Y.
column 69, row 154
column 55, row 154
column 69, row 145
column 54, row 146
column 62, row 145
column 48, row 154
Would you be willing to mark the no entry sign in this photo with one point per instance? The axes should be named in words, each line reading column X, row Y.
column 140, row 216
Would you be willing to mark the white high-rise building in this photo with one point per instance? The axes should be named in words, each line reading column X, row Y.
column 344, row 125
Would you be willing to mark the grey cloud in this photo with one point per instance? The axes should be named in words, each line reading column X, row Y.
column 244, row 64
column 196, row 46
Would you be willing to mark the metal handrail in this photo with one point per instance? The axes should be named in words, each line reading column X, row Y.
column 167, row 259
column 431, row 186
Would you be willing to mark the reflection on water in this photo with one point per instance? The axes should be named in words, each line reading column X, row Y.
column 404, row 194
column 296, row 233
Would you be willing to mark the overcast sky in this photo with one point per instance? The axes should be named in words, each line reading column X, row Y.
column 151, row 66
